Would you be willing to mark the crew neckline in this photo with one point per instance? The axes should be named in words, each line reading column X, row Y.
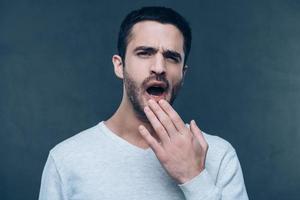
column 112, row 135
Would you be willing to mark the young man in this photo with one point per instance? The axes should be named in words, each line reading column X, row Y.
column 145, row 150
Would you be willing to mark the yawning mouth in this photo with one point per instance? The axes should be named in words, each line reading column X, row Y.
column 157, row 88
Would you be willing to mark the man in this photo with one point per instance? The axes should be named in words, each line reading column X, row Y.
column 145, row 150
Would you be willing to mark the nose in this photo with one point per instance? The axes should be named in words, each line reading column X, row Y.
column 158, row 65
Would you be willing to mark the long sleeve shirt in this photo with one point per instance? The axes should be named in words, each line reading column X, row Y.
column 96, row 164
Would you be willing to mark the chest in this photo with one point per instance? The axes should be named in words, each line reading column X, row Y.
column 123, row 178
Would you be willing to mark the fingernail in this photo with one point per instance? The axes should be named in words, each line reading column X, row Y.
column 161, row 101
column 141, row 128
column 151, row 101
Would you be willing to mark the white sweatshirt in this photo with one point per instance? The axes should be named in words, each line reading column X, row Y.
column 96, row 164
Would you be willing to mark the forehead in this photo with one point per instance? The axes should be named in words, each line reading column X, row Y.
column 155, row 34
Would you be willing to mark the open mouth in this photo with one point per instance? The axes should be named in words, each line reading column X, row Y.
column 157, row 89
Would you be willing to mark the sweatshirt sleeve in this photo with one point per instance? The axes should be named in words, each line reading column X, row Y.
column 229, row 184
column 51, row 184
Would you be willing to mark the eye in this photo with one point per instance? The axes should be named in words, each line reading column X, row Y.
column 173, row 59
column 143, row 53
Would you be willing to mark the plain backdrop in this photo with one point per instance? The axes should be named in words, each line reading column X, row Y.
column 243, row 83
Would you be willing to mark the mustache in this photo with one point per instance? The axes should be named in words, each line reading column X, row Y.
column 156, row 77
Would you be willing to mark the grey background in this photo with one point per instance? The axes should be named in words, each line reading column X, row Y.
column 56, row 79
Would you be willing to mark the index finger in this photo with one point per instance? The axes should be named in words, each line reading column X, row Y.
column 176, row 119
column 157, row 126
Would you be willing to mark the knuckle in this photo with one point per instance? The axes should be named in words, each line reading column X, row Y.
column 162, row 157
column 179, row 142
column 160, row 129
column 162, row 118
column 165, row 120
column 149, row 138
column 187, row 133
column 168, row 109
column 176, row 118
column 156, row 109
column 173, row 116
column 165, row 106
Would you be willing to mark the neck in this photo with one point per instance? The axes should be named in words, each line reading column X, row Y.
column 125, row 123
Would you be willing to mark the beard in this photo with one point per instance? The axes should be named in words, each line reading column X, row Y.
column 134, row 92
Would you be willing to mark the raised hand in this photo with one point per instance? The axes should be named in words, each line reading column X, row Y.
column 181, row 150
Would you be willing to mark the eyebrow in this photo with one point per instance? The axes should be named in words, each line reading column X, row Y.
column 174, row 54
column 166, row 53
column 145, row 48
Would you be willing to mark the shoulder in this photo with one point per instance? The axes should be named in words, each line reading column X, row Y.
column 217, row 144
column 76, row 144
column 219, row 153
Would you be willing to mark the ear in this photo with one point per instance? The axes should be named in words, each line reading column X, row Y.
column 118, row 66
column 183, row 73
column 185, row 67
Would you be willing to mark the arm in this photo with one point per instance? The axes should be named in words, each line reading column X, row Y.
column 51, row 184
column 229, row 185
column 182, row 152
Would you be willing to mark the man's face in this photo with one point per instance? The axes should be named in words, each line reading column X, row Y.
column 153, row 67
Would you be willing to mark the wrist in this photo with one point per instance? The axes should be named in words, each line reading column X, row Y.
column 191, row 175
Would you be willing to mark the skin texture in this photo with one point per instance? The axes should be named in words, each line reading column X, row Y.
column 141, row 64
column 181, row 150
column 155, row 54
column 134, row 91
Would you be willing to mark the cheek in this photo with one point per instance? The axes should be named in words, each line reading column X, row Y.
column 137, row 70
column 176, row 76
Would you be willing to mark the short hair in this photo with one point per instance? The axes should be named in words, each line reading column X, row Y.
column 154, row 13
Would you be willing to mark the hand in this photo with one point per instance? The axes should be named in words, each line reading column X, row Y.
column 181, row 150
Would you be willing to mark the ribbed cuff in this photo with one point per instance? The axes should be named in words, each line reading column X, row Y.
column 199, row 187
